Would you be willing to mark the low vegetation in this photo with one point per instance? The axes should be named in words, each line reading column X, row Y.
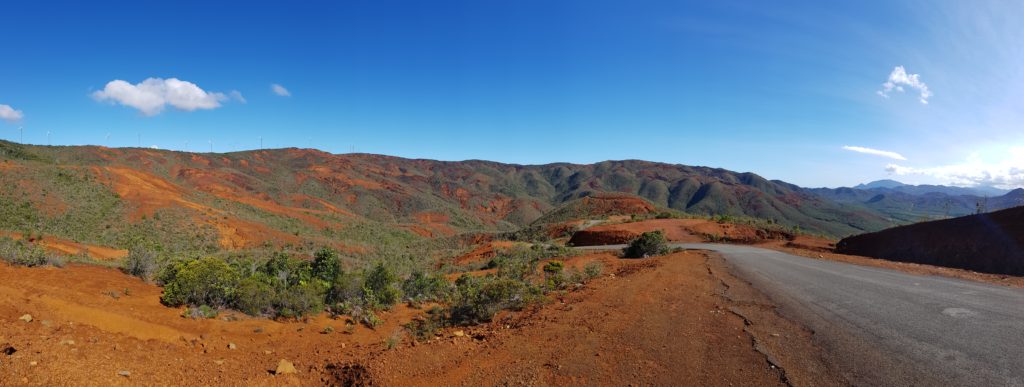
column 22, row 253
column 648, row 244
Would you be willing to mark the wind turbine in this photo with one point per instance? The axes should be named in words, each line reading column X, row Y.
column 48, row 143
column 21, row 134
column 106, row 139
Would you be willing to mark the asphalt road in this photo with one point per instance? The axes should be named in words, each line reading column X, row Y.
column 885, row 327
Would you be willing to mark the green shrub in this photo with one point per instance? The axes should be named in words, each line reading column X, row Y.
column 200, row 312
column 426, row 326
column 554, row 267
column 206, row 281
column 326, row 265
column 256, row 296
column 21, row 253
column 345, row 288
column 141, row 263
column 553, row 275
column 379, row 290
column 300, row 300
column 648, row 244
column 288, row 271
column 420, row 287
column 592, row 270
column 478, row 299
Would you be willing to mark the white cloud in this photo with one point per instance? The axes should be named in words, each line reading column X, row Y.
column 1005, row 173
column 280, row 90
column 876, row 152
column 899, row 78
column 154, row 94
column 9, row 114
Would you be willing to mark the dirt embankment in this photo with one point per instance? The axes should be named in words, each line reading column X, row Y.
column 989, row 243
column 675, row 230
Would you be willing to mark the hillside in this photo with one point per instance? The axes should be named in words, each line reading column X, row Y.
column 180, row 201
column 598, row 206
column 990, row 243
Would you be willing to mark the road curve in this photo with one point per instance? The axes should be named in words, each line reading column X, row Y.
column 885, row 327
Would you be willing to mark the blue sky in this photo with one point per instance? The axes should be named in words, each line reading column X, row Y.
column 775, row 88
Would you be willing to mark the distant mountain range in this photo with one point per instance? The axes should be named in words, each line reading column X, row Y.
column 926, row 189
column 904, row 203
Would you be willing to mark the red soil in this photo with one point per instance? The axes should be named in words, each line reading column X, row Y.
column 66, row 247
column 135, row 333
column 612, row 203
column 147, row 193
column 656, row 321
column 483, row 253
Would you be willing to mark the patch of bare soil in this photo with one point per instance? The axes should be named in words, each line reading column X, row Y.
column 66, row 247
column 483, row 253
column 661, row 321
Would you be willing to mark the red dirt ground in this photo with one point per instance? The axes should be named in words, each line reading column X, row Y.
column 611, row 203
column 66, row 247
column 656, row 321
column 483, row 253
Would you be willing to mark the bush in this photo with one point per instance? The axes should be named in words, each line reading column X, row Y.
column 345, row 288
column 379, row 290
column 554, row 267
column 255, row 296
column 553, row 277
column 425, row 327
column 648, row 244
column 420, row 287
column 300, row 300
column 21, row 253
column 478, row 299
column 326, row 265
column 141, row 263
column 206, row 281
column 200, row 312
column 592, row 270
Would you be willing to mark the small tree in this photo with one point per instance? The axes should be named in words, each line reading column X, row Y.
column 648, row 244
column 326, row 265
column 379, row 287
